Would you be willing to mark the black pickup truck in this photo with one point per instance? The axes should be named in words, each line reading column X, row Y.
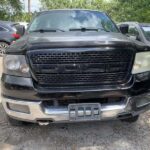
column 72, row 66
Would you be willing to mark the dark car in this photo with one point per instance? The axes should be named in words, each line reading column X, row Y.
column 72, row 66
column 138, row 31
column 8, row 34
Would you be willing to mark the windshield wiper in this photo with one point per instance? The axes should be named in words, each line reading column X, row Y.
column 87, row 29
column 47, row 30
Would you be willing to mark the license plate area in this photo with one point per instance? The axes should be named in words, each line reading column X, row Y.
column 84, row 112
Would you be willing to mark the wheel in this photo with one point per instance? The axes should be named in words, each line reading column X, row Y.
column 3, row 47
column 14, row 122
column 130, row 119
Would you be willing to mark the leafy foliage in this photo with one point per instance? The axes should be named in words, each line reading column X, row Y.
column 130, row 10
column 119, row 10
column 9, row 8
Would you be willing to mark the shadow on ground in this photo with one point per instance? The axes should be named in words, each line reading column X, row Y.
column 112, row 135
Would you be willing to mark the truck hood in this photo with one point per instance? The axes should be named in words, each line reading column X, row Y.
column 32, row 41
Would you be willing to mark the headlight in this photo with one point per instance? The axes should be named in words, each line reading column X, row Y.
column 15, row 65
column 142, row 63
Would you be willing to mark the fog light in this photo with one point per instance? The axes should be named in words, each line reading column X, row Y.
column 18, row 108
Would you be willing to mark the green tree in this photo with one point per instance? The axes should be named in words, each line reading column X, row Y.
column 129, row 10
column 119, row 10
column 9, row 8
column 87, row 4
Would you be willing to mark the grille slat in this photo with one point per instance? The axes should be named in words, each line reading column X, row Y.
column 79, row 57
column 78, row 79
column 68, row 68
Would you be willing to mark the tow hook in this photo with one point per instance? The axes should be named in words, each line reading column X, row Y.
column 43, row 123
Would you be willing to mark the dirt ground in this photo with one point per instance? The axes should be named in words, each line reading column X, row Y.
column 111, row 135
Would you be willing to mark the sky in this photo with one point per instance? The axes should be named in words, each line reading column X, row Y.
column 35, row 5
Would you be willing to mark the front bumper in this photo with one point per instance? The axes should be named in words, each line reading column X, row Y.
column 23, row 93
column 39, row 113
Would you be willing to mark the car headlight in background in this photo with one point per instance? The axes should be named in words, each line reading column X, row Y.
column 141, row 63
column 15, row 65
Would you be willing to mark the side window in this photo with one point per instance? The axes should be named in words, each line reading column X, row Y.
column 2, row 29
column 133, row 31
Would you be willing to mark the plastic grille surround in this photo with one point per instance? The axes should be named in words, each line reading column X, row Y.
column 81, row 67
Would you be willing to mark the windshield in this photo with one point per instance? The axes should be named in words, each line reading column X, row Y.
column 146, row 30
column 66, row 20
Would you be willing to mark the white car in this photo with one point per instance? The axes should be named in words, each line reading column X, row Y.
column 25, row 24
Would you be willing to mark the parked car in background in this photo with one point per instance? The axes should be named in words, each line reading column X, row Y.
column 9, row 32
column 137, row 31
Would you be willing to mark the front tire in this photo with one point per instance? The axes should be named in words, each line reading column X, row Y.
column 3, row 46
column 131, row 119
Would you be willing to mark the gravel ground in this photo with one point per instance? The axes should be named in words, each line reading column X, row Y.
column 111, row 135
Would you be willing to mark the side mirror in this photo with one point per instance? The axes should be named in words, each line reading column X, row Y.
column 20, row 30
column 124, row 28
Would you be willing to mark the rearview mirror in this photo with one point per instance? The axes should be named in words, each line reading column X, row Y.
column 124, row 28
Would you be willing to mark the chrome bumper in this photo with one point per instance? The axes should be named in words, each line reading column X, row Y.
column 38, row 112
